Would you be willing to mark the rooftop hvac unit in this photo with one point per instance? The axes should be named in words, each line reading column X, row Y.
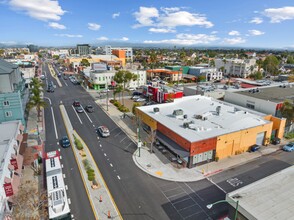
column 155, row 109
column 178, row 112
column 186, row 125
column 185, row 116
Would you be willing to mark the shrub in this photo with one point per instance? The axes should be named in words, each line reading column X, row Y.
column 87, row 164
column 91, row 177
column 289, row 135
column 78, row 144
column 216, row 159
column 90, row 170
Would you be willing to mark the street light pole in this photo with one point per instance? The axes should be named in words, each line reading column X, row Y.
column 209, row 206
column 106, row 94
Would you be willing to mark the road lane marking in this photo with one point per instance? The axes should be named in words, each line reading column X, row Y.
column 54, row 124
column 77, row 114
column 123, row 139
column 87, row 114
column 100, row 145
column 48, row 99
column 118, row 177
column 111, row 164
column 105, row 155
column 117, row 134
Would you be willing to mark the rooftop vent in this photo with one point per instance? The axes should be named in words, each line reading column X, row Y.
column 178, row 112
column 155, row 110
column 185, row 116
column 218, row 109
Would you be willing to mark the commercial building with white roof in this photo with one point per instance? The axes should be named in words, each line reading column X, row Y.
column 269, row 198
column 199, row 128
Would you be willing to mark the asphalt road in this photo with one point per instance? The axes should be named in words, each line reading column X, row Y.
column 80, row 205
column 138, row 195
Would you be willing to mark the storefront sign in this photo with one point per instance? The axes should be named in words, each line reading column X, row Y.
column 8, row 189
column 14, row 163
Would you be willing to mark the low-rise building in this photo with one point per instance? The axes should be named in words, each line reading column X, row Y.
column 10, row 164
column 208, row 73
column 236, row 67
column 269, row 198
column 13, row 93
column 199, row 129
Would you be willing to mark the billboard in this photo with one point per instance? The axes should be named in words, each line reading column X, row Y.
column 99, row 66
column 14, row 163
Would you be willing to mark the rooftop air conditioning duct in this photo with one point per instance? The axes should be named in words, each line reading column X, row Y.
column 178, row 112
column 218, row 109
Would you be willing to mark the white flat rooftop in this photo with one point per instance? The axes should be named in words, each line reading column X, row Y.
column 230, row 118
column 268, row 198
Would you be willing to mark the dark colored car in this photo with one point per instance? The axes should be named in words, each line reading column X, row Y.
column 254, row 148
column 65, row 142
column 50, row 89
column 89, row 108
column 276, row 141
column 65, row 77
column 76, row 103
column 137, row 93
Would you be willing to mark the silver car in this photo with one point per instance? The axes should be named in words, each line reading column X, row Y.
column 104, row 131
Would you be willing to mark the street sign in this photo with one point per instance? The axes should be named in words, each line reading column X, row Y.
column 139, row 144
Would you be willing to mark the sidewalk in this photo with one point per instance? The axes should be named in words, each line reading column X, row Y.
column 154, row 165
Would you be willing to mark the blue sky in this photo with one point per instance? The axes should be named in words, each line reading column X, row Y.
column 240, row 23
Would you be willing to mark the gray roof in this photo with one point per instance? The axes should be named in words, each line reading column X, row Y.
column 6, row 67
column 275, row 94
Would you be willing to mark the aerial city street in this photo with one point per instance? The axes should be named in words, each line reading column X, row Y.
column 147, row 110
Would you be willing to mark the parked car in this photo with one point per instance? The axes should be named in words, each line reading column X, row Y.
column 136, row 97
column 254, row 148
column 289, row 147
column 65, row 142
column 137, row 93
column 89, row 108
column 103, row 131
column 131, row 89
column 140, row 100
column 79, row 109
column 65, row 77
column 276, row 141
column 76, row 103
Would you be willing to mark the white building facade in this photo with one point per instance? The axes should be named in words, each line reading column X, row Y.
column 210, row 73
column 10, row 164
column 236, row 67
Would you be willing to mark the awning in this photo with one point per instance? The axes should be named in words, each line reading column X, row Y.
column 173, row 146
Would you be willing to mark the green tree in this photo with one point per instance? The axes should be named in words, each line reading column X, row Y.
column 123, row 77
column 55, row 57
column 271, row 64
column 287, row 111
column 85, row 62
column 256, row 75
column 290, row 60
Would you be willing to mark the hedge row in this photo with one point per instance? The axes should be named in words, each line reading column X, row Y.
column 119, row 106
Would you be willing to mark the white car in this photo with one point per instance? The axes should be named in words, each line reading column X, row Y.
column 103, row 130
column 131, row 89
column 136, row 97
column 140, row 100
column 42, row 77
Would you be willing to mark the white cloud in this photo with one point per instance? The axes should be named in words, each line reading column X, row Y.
column 124, row 39
column 102, row 38
column 69, row 35
column 214, row 32
column 186, row 39
column 8, row 42
column 56, row 25
column 169, row 17
column 237, row 40
column 255, row 32
column 44, row 10
column 256, row 20
column 279, row 14
column 162, row 30
column 183, row 18
column 145, row 15
column 115, row 15
column 234, row 33
column 94, row 26
column 168, row 10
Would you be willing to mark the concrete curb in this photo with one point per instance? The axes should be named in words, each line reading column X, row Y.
column 69, row 130
column 53, row 75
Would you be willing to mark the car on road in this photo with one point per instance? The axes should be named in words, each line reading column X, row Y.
column 42, row 77
column 140, row 100
column 289, row 147
column 50, row 89
column 89, row 108
column 65, row 77
column 65, row 142
column 136, row 97
column 76, row 103
column 137, row 93
column 103, row 131
column 79, row 109
column 59, row 75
